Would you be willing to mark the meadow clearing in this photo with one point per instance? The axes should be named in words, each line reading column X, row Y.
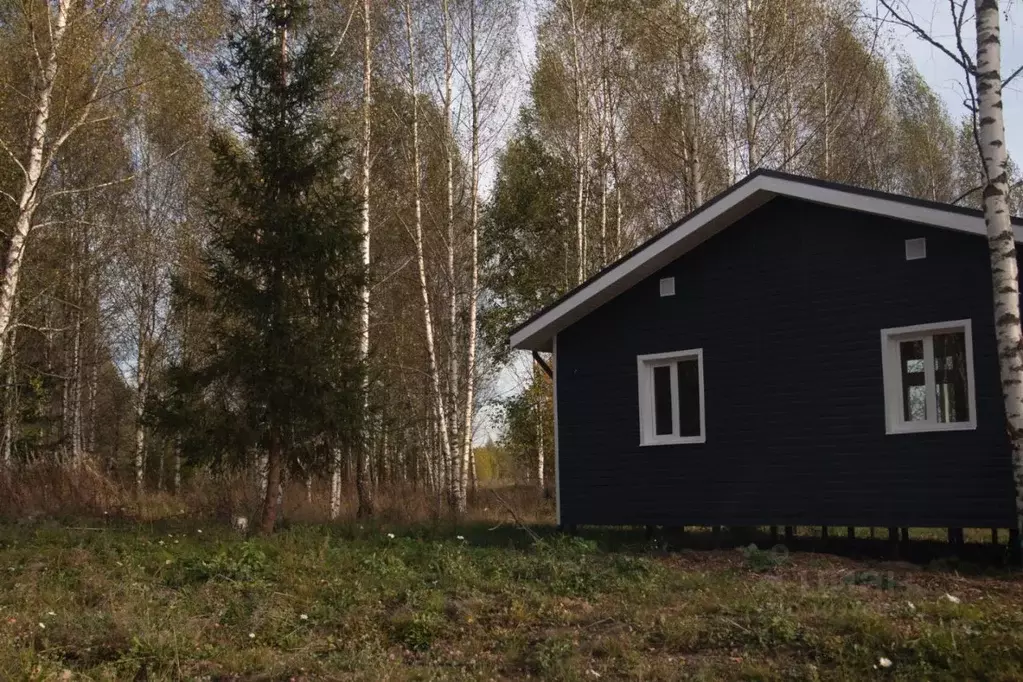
column 180, row 598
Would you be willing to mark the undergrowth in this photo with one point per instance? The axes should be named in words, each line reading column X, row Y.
column 190, row 600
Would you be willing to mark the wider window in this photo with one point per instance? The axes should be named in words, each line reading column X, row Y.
column 928, row 377
column 671, row 398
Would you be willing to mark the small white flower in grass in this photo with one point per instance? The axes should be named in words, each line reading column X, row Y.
column 252, row 635
column 42, row 626
column 952, row 598
column 161, row 542
column 199, row 531
column 911, row 605
column 50, row 613
column 884, row 662
column 460, row 537
column 390, row 535
column 167, row 563
column 304, row 617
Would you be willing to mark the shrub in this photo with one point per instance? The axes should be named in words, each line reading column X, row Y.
column 242, row 563
column 764, row 560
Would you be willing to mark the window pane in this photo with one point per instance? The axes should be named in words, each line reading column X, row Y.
column 914, row 389
column 950, row 383
column 662, row 400
column 689, row 397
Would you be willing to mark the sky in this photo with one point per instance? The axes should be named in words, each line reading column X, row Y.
column 945, row 76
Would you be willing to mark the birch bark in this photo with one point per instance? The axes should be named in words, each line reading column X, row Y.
column 580, row 162
column 454, row 464
column 33, row 175
column 362, row 469
column 468, row 408
column 1001, row 242
column 440, row 408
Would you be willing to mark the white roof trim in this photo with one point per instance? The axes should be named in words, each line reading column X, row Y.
column 733, row 205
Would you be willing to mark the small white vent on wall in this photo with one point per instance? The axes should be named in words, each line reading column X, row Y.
column 668, row 286
column 916, row 249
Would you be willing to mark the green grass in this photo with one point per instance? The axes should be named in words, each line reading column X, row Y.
column 320, row 602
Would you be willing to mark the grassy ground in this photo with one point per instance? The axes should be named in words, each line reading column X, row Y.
column 186, row 601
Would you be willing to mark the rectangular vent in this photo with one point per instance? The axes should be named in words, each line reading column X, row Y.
column 668, row 286
column 916, row 249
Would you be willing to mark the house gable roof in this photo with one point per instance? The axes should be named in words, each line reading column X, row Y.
column 755, row 190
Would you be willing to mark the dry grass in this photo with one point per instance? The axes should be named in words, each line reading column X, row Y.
column 179, row 600
column 52, row 491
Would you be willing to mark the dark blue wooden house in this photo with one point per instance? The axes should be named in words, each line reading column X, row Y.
column 795, row 352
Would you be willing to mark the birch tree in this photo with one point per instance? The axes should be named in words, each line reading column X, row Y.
column 984, row 85
column 52, row 51
column 1001, row 240
column 440, row 404
column 362, row 468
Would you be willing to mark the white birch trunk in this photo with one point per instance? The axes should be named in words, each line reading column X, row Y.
column 364, row 245
column 336, row 462
column 440, row 408
column 33, row 176
column 141, row 385
column 453, row 465
column 10, row 406
column 469, row 407
column 1002, row 245
column 580, row 162
column 752, row 154
column 539, row 441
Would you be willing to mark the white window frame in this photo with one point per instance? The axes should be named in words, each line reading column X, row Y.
column 895, row 422
column 645, row 368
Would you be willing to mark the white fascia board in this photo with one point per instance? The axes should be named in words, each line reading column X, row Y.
column 899, row 210
column 719, row 215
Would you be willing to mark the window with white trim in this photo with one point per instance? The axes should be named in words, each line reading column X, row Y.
column 671, row 406
column 928, row 377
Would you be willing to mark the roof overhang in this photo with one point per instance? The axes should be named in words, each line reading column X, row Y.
column 538, row 332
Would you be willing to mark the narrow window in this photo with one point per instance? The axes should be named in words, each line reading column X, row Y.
column 689, row 397
column 671, row 406
column 950, row 382
column 667, row 286
column 662, row 401
column 928, row 377
column 914, row 385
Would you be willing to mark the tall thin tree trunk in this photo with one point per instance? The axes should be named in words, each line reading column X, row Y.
column 469, row 407
column 539, row 438
column 827, row 130
column 440, row 408
column 454, row 465
column 11, row 408
column 177, row 471
column 272, row 492
column 580, row 162
column 1002, row 244
column 76, row 368
column 93, row 388
column 752, row 154
column 141, row 389
column 363, row 488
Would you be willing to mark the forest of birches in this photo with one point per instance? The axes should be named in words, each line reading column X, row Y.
column 288, row 238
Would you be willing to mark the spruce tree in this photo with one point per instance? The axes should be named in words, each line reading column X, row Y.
column 281, row 376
